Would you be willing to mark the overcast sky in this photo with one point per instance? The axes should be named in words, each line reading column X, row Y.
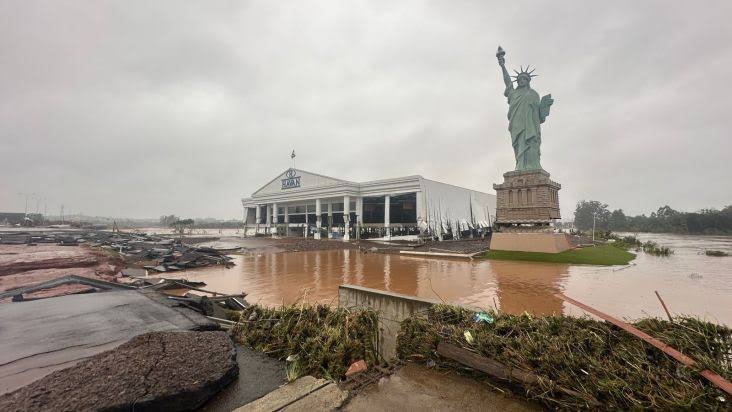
column 144, row 108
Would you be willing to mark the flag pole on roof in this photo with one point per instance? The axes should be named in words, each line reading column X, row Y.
column 292, row 156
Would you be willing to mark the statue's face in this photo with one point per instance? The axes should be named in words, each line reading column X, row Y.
column 523, row 81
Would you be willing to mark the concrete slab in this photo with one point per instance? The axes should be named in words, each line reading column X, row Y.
column 417, row 388
column 393, row 308
column 41, row 336
column 531, row 242
column 304, row 394
column 327, row 398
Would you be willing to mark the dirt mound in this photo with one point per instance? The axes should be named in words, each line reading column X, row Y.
column 169, row 371
column 18, row 259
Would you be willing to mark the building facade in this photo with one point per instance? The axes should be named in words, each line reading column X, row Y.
column 301, row 203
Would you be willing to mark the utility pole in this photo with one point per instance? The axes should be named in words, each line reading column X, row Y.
column 593, row 228
column 62, row 214
column 27, row 195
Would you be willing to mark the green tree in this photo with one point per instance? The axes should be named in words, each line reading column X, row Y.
column 168, row 221
column 618, row 220
column 585, row 211
column 181, row 225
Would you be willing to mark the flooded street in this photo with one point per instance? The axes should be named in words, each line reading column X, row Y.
column 689, row 281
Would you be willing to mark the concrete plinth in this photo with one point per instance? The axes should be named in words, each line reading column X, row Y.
column 527, row 197
column 531, row 242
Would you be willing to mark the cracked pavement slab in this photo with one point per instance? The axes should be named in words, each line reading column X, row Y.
column 170, row 371
column 41, row 336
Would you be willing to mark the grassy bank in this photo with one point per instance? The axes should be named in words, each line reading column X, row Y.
column 600, row 255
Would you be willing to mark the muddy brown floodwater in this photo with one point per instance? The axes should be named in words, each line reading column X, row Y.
column 689, row 281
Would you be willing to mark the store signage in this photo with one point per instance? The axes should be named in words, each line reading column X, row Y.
column 291, row 180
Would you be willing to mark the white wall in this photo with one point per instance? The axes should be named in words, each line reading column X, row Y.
column 452, row 203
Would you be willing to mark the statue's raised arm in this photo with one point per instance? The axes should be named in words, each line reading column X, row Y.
column 506, row 78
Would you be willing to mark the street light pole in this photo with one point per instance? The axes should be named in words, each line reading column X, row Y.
column 593, row 228
column 26, row 201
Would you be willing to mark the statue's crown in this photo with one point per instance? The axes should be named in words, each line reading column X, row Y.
column 524, row 72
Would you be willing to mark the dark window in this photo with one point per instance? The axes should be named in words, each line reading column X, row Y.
column 324, row 220
column 373, row 209
column 296, row 209
column 297, row 218
column 403, row 208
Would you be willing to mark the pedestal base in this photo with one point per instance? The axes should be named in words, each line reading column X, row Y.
column 527, row 197
column 531, row 242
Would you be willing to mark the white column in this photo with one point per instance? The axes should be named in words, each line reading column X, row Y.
column 359, row 216
column 318, row 222
column 346, row 218
column 257, row 213
column 387, row 204
column 274, row 220
column 287, row 221
column 330, row 220
column 244, row 221
column 422, row 223
column 268, row 219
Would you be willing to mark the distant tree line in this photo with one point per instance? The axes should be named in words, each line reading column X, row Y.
column 176, row 222
column 664, row 220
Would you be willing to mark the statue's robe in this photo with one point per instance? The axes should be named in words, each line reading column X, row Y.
column 524, row 118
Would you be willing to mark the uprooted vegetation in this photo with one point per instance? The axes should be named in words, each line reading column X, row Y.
column 632, row 242
column 578, row 363
column 653, row 248
column 716, row 253
column 605, row 367
column 315, row 340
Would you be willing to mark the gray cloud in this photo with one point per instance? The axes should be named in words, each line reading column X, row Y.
column 144, row 108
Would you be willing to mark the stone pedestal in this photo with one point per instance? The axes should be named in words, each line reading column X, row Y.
column 527, row 202
column 527, row 199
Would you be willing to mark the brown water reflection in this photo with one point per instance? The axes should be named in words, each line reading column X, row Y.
column 690, row 282
column 284, row 278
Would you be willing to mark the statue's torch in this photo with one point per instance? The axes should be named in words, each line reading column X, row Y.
column 499, row 54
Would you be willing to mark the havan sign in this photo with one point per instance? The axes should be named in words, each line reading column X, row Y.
column 290, row 181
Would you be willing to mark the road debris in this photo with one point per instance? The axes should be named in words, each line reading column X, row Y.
column 356, row 368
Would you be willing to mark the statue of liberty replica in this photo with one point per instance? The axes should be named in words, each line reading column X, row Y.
column 525, row 115
column 527, row 200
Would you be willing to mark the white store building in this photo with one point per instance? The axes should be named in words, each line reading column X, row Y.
column 300, row 203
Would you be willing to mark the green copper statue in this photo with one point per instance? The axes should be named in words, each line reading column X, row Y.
column 525, row 113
